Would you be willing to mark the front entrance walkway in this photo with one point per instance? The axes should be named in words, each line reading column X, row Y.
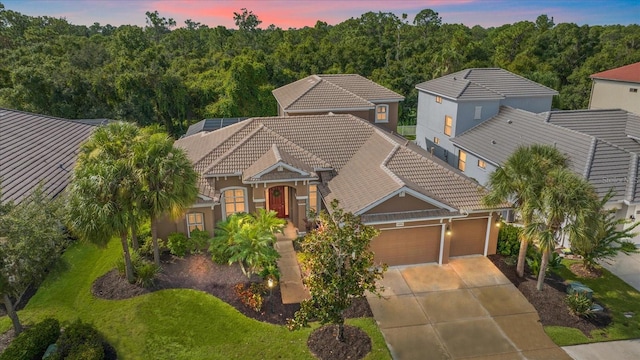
column 465, row 309
column 291, row 287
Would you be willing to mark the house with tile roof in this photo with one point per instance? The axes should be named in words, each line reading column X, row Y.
column 454, row 103
column 38, row 149
column 340, row 94
column 294, row 164
column 607, row 156
column 616, row 88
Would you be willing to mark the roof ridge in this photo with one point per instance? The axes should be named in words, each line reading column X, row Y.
column 241, row 125
column 316, row 77
column 630, row 192
column 286, row 140
column 347, row 91
column 276, row 152
column 74, row 121
column 528, row 80
column 388, row 171
column 590, row 157
column 233, row 148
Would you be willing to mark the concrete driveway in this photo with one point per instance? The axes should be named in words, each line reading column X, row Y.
column 465, row 309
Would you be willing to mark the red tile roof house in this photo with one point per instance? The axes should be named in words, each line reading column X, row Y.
column 426, row 210
column 617, row 88
column 38, row 149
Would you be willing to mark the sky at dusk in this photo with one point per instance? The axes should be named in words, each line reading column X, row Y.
column 300, row 13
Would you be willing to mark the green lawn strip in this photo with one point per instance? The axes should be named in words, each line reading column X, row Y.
column 171, row 324
column 614, row 294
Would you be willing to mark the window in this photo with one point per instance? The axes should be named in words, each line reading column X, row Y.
column 462, row 160
column 195, row 221
column 439, row 99
column 436, row 140
column 313, row 198
column 234, row 201
column 482, row 164
column 382, row 113
column 478, row 113
column 633, row 90
column 448, row 122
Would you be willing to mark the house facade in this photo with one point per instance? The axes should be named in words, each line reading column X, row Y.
column 617, row 88
column 455, row 103
column 340, row 94
column 294, row 164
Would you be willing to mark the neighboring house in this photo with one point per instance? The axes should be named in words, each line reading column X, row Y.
column 455, row 103
column 38, row 149
column 602, row 146
column 340, row 94
column 617, row 88
column 426, row 210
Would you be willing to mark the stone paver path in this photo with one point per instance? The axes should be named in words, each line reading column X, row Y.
column 291, row 286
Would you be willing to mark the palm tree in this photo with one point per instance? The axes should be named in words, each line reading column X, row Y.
column 104, row 183
column 168, row 179
column 567, row 200
column 520, row 180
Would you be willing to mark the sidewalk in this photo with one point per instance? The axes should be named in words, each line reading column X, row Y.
column 291, row 286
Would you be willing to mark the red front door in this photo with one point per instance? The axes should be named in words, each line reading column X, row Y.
column 276, row 201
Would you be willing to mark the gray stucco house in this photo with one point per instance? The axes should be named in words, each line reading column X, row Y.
column 455, row 103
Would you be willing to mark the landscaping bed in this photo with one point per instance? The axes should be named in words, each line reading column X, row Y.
column 198, row 272
column 550, row 302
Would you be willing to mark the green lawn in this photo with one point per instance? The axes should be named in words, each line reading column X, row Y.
column 615, row 295
column 168, row 324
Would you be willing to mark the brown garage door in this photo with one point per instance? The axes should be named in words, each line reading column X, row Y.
column 407, row 246
column 468, row 237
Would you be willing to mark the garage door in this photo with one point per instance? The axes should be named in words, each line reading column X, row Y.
column 407, row 246
column 468, row 237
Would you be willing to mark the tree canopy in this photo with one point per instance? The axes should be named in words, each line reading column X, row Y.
column 172, row 76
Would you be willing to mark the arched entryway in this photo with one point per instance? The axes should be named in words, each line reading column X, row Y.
column 280, row 201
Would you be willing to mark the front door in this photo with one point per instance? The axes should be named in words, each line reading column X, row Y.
column 276, row 201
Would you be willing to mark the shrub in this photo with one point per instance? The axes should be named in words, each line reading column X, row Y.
column 251, row 296
column 146, row 273
column 80, row 341
column 178, row 244
column 199, row 240
column 270, row 270
column 579, row 304
column 146, row 248
column 33, row 342
column 534, row 260
column 509, row 240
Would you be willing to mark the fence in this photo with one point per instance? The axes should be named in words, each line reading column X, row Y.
column 407, row 130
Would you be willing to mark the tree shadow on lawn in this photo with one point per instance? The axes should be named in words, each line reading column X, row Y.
column 198, row 272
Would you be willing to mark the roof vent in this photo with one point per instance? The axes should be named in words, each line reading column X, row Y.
column 509, row 121
column 493, row 142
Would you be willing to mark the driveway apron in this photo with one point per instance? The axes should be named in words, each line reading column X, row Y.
column 466, row 309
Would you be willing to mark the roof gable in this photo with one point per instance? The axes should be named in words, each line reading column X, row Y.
column 484, row 83
column 628, row 73
column 277, row 164
column 332, row 92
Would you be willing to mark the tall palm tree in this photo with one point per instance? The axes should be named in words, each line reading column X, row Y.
column 104, row 183
column 519, row 181
column 168, row 179
column 567, row 200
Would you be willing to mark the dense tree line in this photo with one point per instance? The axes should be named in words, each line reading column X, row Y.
column 173, row 76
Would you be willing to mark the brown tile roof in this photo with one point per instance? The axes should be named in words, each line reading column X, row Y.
column 332, row 92
column 271, row 159
column 37, row 149
column 628, row 73
column 370, row 163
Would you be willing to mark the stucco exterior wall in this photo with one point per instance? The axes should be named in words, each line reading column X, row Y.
column 430, row 125
column 607, row 94
column 533, row 104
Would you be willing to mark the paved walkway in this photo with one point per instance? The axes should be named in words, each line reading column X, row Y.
column 465, row 309
column 291, row 286
column 626, row 267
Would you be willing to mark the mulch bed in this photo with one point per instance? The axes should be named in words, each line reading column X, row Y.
column 323, row 343
column 550, row 302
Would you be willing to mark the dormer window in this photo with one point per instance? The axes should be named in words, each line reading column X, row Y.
column 382, row 113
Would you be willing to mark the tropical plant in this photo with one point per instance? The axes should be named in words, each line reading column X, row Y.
column 104, row 187
column 247, row 239
column 341, row 267
column 177, row 244
column 31, row 240
column 167, row 177
column 606, row 238
column 519, row 181
column 534, row 260
column 564, row 204
column 579, row 304
column 508, row 240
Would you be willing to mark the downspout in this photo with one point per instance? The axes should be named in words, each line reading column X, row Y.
column 486, row 239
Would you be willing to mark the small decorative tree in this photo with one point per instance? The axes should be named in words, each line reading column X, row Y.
column 341, row 268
